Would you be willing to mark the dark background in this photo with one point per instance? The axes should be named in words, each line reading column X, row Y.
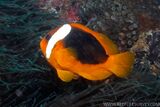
column 27, row 80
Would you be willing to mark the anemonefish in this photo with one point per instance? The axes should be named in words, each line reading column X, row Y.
column 75, row 50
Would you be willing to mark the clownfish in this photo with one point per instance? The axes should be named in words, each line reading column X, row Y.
column 75, row 50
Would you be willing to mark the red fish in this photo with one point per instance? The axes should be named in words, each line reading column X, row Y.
column 75, row 50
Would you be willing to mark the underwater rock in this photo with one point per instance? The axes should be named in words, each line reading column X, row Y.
column 147, row 49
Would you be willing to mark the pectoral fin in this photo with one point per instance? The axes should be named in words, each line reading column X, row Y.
column 66, row 57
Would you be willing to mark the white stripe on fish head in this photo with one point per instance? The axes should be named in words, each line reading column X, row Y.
column 61, row 33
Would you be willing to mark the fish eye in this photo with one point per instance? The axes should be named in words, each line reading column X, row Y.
column 47, row 37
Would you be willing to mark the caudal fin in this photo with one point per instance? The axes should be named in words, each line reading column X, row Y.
column 120, row 64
